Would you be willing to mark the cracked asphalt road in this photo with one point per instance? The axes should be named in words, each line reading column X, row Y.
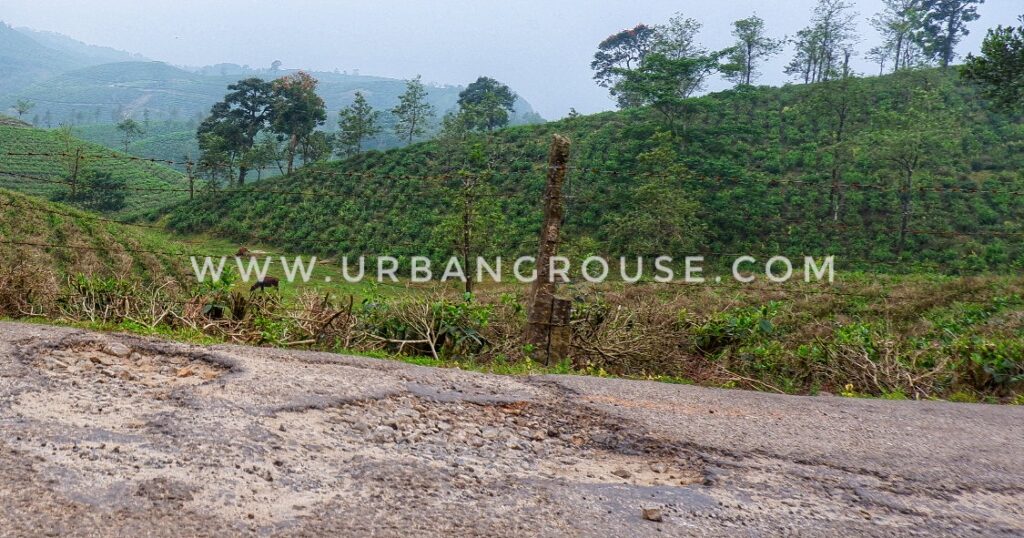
column 123, row 436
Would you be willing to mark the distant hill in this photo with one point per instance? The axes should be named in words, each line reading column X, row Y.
column 109, row 92
column 174, row 100
column 166, row 140
column 36, row 162
column 85, row 53
column 74, row 83
column 24, row 61
column 106, row 93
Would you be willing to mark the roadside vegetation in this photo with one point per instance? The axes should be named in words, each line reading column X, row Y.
column 912, row 179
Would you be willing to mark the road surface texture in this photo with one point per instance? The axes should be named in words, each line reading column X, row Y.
column 109, row 435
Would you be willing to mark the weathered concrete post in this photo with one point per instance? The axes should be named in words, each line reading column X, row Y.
column 541, row 297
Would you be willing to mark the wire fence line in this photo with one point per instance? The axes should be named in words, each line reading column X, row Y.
column 764, row 181
column 442, row 184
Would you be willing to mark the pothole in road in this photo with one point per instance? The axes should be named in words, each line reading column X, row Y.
column 99, row 360
column 479, row 442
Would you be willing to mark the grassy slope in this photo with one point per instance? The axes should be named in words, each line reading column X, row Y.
column 8, row 121
column 139, row 174
column 734, row 135
column 101, row 248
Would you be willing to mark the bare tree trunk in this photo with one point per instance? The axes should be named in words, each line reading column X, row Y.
column 750, row 62
column 292, row 144
column 899, row 52
column 541, row 296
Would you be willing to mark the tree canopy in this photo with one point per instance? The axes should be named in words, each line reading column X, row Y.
column 231, row 129
column 999, row 71
column 752, row 46
column 945, row 24
column 297, row 111
column 487, row 104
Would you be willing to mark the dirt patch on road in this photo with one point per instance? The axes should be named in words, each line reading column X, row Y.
column 97, row 361
column 468, row 446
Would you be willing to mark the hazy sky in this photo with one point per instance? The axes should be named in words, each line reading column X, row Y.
column 541, row 48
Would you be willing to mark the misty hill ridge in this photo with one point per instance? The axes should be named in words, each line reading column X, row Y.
column 24, row 61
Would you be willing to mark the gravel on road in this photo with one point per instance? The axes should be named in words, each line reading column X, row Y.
column 115, row 435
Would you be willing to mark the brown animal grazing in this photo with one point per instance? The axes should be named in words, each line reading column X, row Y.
column 243, row 253
column 269, row 282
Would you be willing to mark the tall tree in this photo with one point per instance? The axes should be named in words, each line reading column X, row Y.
column 914, row 137
column 823, row 48
column 297, row 111
column 236, row 121
column 621, row 51
column 900, row 23
column 475, row 223
column 659, row 215
column 217, row 157
column 316, row 147
column 413, row 111
column 752, row 46
column 262, row 155
column 130, row 130
column 879, row 55
column 945, row 24
column 23, row 106
column 487, row 104
column 356, row 123
column 1000, row 68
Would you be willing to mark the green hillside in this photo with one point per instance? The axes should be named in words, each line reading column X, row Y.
column 39, row 162
column 164, row 140
column 106, row 93
column 757, row 162
column 51, row 250
column 8, row 121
